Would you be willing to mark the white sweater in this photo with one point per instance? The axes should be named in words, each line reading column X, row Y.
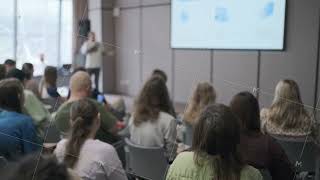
column 94, row 58
column 97, row 161
column 159, row 133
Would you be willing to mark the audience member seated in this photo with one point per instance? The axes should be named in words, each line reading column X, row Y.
column 32, row 105
column 151, row 125
column 117, row 108
column 257, row 149
column 9, row 64
column 48, row 85
column 163, row 75
column 90, row 158
column 287, row 115
column 214, row 150
column 17, row 132
column 80, row 87
column 39, row 168
column 2, row 71
column 203, row 95
column 30, row 83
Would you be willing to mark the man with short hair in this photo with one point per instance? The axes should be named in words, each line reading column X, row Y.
column 10, row 64
column 80, row 87
column 94, row 52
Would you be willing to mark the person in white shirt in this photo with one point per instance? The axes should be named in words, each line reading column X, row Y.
column 91, row 159
column 94, row 52
column 151, row 124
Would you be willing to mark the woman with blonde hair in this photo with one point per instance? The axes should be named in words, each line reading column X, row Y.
column 287, row 115
column 203, row 95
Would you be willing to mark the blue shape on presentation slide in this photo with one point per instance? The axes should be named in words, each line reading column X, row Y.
column 221, row 14
column 184, row 16
column 269, row 9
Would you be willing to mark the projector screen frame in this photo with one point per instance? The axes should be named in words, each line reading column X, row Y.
column 284, row 47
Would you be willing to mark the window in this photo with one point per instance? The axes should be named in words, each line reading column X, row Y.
column 42, row 27
column 6, row 30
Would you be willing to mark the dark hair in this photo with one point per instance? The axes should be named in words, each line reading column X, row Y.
column 11, row 95
column 83, row 114
column 27, row 68
column 2, row 71
column 51, row 76
column 10, row 62
column 153, row 99
column 246, row 107
column 16, row 73
column 217, row 133
column 161, row 74
column 47, row 168
column 79, row 69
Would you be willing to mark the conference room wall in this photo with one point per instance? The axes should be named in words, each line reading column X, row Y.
column 230, row 71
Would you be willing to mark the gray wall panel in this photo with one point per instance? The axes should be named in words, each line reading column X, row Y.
column 127, row 3
column 191, row 67
column 155, row 2
column 156, row 51
column 127, row 62
column 298, row 61
column 234, row 71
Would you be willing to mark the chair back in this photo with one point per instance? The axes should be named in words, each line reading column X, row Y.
column 146, row 162
column 301, row 151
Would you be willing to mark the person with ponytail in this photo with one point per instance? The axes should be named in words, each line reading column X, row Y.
column 213, row 154
column 91, row 159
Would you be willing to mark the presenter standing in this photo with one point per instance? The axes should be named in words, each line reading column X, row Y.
column 94, row 52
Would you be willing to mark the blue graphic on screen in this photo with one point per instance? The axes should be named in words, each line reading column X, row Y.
column 228, row 24
column 269, row 9
column 184, row 17
column 221, row 14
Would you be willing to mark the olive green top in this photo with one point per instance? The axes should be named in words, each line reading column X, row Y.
column 185, row 168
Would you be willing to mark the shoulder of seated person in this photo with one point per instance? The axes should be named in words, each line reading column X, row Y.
column 250, row 171
column 165, row 115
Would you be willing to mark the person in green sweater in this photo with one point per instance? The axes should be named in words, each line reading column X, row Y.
column 80, row 88
column 213, row 154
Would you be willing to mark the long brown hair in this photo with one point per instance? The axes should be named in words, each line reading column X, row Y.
column 216, row 136
column 246, row 107
column 83, row 115
column 153, row 99
column 11, row 95
column 203, row 95
column 50, row 76
column 287, row 109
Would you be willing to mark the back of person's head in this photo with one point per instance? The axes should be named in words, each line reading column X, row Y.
column 84, row 121
column 161, row 74
column 78, row 69
column 35, row 167
column 11, row 95
column 203, row 95
column 216, row 136
column 10, row 62
column 80, row 82
column 153, row 99
column 287, row 108
column 51, row 76
column 18, row 74
column 2, row 71
column 28, row 70
column 246, row 107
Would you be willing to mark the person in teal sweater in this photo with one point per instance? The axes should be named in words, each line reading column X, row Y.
column 213, row 154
